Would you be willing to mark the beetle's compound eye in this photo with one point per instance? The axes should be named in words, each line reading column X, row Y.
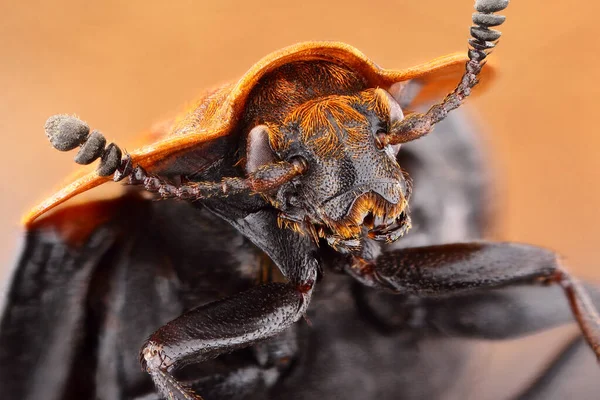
column 258, row 149
column 395, row 115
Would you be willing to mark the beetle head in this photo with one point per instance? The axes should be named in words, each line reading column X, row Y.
column 353, row 187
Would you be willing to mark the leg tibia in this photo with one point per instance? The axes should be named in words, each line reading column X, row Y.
column 220, row 327
column 448, row 270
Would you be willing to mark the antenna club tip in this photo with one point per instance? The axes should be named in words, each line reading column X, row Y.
column 490, row 6
column 66, row 132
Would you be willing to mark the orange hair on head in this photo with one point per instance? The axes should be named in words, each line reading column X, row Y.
column 322, row 120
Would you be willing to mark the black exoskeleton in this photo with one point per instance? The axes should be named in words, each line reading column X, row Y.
column 314, row 195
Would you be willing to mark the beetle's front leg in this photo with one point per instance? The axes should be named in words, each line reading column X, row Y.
column 221, row 327
column 454, row 268
column 243, row 319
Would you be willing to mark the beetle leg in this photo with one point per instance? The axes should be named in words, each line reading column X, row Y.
column 454, row 268
column 221, row 327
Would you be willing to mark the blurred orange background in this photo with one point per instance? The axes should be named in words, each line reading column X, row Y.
column 123, row 65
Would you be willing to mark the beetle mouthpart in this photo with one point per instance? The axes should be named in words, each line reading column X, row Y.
column 345, row 245
column 388, row 232
column 393, row 231
column 371, row 211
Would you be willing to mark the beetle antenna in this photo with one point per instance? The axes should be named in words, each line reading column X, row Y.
column 66, row 133
column 481, row 44
column 264, row 179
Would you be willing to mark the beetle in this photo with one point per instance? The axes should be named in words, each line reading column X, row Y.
column 286, row 176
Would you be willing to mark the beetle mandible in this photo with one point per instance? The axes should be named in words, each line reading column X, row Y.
column 300, row 157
